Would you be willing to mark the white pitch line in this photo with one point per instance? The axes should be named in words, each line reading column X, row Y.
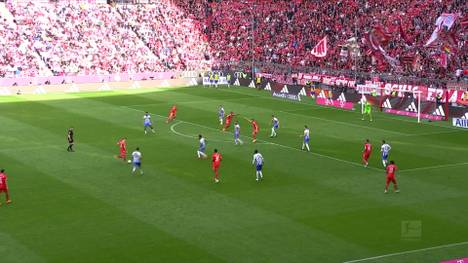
column 423, row 122
column 178, row 133
column 328, row 120
column 194, row 137
column 426, row 134
column 385, row 116
column 433, row 167
column 277, row 144
column 325, row 156
column 432, row 146
column 318, row 118
column 345, row 123
column 408, row 252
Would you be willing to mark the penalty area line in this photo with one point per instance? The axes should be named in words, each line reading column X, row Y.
column 433, row 167
column 323, row 119
column 409, row 252
column 271, row 143
column 385, row 116
column 194, row 137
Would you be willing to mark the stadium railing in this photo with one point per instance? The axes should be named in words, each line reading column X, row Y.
column 359, row 76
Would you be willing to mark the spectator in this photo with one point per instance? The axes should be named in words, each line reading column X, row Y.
column 370, row 36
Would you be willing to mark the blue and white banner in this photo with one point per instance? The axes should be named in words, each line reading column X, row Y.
column 222, row 81
column 460, row 122
column 295, row 97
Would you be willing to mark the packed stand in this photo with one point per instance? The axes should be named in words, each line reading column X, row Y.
column 75, row 38
column 378, row 36
column 17, row 56
column 285, row 32
column 176, row 37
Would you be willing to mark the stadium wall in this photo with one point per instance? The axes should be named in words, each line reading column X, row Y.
column 453, row 93
column 118, row 77
column 103, row 86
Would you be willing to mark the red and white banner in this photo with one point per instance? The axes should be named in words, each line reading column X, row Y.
column 427, row 94
column 328, row 80
column 320, row 50
column 453, row 95
column 446, row 20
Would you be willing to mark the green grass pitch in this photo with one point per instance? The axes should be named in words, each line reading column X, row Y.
column 321, row 206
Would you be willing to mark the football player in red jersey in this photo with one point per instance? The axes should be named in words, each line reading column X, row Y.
column 172, row 114
column 4, row 186
column 122, row 143
column 216, row 158
column 391, row 170
column 228, row 120
column 366, row 152
column 255, row 129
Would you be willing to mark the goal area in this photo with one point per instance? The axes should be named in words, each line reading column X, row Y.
column 404, row 103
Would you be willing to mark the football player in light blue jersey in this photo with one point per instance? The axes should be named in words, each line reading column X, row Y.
column 136, row 161
column 258, row 162
column 274, row 126
column 202, row 147
column 147, row 122
column 306, row 136
column 237, row 139
column 221, row 114
column 385, row 150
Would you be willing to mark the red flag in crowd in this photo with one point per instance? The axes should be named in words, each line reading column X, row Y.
column 464, row 21
column 320, row 50
column 403, row 34
column 444, row 20
column 442, row 59
column 381, row 34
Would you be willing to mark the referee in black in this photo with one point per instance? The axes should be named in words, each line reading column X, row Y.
column 70, row 140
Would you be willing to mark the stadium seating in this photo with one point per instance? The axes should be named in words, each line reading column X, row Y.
column 286, row 31
column 76, row 38
column 17, row 57
column 176, row 38
column 87, row 39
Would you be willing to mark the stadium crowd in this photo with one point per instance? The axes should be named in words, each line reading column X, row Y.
column 79, row 38
column 176, row 37
column 17, row 56
column 285, row 32
column 363, row 35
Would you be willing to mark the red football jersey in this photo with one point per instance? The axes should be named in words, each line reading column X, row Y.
column 173, row 109
column 367, row 147
column 391, row 169
column 255, row 126
column 3, row 178
column 228, row 118
column 122, row 144
column 217, row 158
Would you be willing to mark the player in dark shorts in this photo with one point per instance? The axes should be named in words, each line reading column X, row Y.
column 70, row 140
